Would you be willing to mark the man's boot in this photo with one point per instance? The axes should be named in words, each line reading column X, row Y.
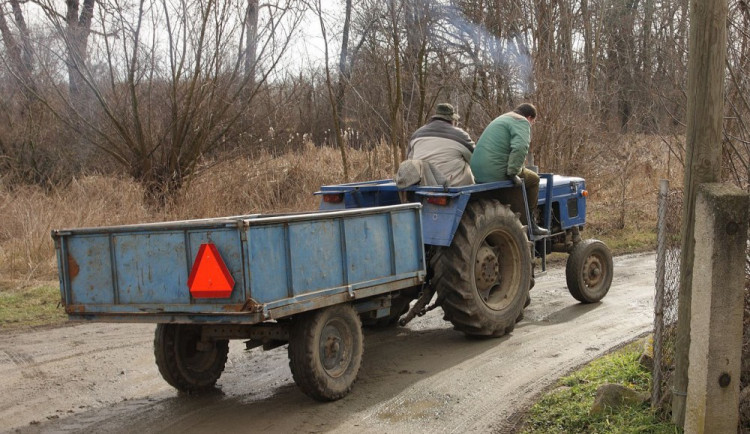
column 535, row 229
column 539, row 232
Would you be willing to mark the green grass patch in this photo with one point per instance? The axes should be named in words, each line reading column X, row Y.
column 630, row 241
column 637, row 235
column 565, row 409
column 30, row 306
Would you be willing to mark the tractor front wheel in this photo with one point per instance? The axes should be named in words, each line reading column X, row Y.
column 588, row 271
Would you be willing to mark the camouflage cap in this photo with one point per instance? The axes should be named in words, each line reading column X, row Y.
column 445, row 111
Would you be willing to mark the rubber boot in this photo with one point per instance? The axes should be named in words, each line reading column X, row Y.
column 537, row 231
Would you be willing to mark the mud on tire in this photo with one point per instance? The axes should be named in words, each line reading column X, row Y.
column 484, row 276
column 183, row 363
column 325, row 351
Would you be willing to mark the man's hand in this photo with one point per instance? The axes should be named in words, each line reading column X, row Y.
column 517, row 181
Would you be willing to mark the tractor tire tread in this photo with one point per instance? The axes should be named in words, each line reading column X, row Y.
column 452, row 273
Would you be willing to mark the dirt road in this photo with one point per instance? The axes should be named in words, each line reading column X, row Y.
column 424, row 378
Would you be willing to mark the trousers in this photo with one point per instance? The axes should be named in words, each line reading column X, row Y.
column 531, row 182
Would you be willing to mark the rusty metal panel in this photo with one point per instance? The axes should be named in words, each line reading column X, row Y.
column 91, row 274
column 151, row 268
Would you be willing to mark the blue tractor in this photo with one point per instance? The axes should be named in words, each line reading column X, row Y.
column 481, row 254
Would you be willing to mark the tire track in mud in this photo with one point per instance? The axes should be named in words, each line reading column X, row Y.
column 25, row 363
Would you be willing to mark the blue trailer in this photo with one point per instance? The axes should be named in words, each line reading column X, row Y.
column 304, row 279
column 372, row 255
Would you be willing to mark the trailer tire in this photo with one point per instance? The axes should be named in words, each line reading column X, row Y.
column 325, row 351
column 588, row 271
column 182, row 364
column 484, row 276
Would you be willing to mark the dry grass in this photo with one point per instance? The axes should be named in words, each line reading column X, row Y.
column 29, row 214
column 261, row 183
column 264, row 183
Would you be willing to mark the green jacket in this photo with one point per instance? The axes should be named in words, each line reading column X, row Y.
column 501, row 149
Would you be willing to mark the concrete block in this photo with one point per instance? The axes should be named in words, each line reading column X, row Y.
column 721, row 222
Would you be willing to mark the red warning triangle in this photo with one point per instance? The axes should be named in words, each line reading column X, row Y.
column 209, row 277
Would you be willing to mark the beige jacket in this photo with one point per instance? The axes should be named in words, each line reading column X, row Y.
column 446, row 147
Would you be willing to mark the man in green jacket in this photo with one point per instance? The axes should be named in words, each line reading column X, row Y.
column 501, row 151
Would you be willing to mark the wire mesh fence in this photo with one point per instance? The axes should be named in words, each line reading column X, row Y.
column 669, row 224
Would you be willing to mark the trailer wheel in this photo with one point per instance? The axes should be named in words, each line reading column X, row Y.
column 588, row 271
column 325, row 351
column 184, row 362
column 485, row 274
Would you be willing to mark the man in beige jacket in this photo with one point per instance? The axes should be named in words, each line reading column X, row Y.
column 445, row 146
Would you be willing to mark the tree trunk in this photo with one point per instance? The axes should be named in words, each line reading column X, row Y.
column 23, row 30
column 343, row 67
column 251, row 43
column 20, row 56
column 332, row 97
column 78, row 30
column 588, row 51
column 417, row 17
column 11, row 44
column 565, row 46
column 397, row 148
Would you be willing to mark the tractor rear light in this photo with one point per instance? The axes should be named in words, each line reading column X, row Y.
column 584, row 193
column 333, row 198
column 438, row 200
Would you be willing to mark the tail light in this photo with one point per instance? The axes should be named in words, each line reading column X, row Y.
column 333, row 198
column 584, row 193
column 438, row 200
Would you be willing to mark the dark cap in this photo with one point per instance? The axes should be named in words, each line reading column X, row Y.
column 526, row 110
column 445, row 111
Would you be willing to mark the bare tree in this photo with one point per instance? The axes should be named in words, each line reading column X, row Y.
column 165, row 88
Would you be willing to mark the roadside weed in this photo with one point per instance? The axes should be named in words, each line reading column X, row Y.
column 565, row 409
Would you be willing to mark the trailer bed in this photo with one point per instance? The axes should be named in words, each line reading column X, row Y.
column 281, row 265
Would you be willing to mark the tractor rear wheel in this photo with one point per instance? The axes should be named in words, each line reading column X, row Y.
column 588, row 271
column 484, row 276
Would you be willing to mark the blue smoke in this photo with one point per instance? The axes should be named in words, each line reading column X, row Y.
column 508, row 54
